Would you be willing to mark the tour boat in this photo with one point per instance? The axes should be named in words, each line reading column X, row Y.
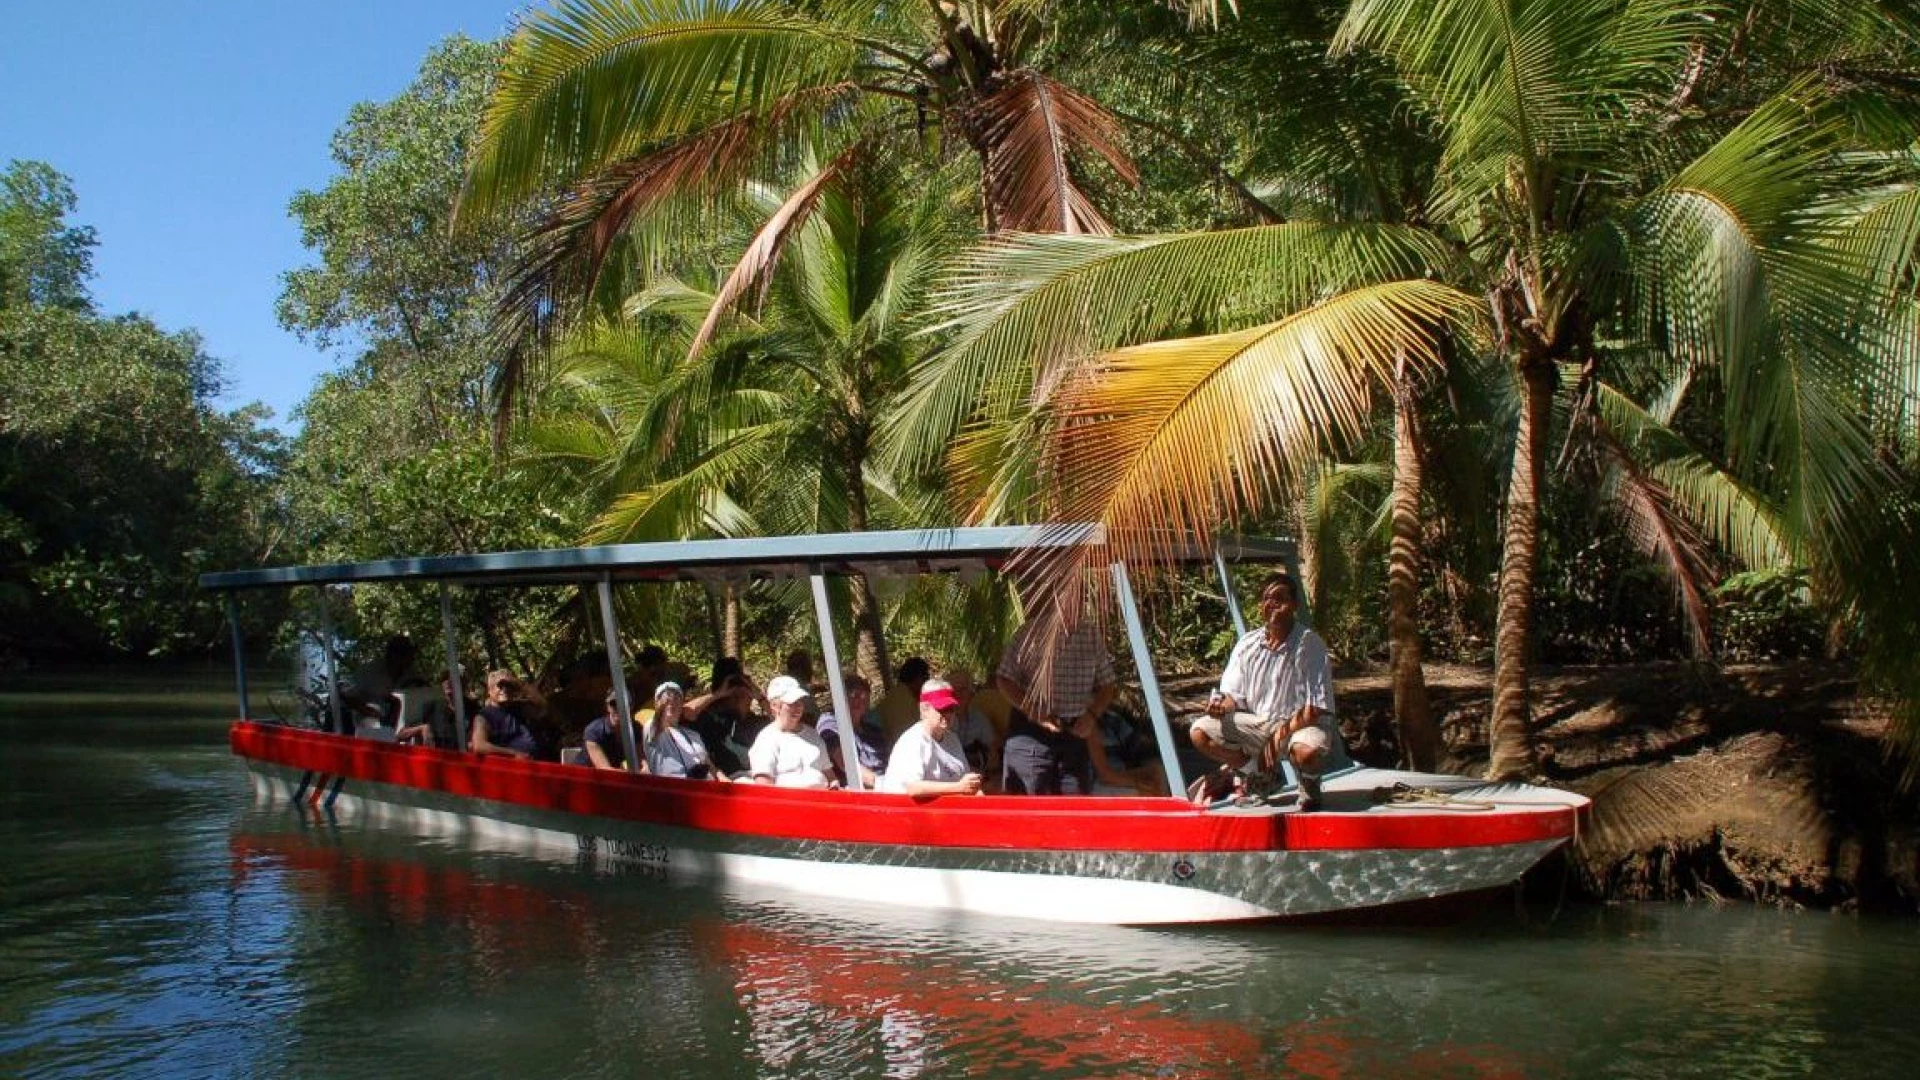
column 1382, row 837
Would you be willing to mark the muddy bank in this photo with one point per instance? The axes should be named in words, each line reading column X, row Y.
column 1763, row 783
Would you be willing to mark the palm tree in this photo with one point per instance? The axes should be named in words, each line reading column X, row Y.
column 658, row 109
column 766, row 425
column 1610, row 188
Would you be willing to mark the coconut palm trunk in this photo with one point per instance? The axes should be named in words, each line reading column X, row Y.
column 1510, row 733
column 730, row 620
column 1419, row 739
column 869, row 644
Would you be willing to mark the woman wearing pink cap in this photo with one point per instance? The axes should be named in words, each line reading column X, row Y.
column 928, row 758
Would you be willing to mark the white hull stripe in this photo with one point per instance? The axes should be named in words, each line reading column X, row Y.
column 1126, row 887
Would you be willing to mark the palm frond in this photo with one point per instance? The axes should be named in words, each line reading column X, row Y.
column 590, row 82
column 678, row 505
column 1656, row 527
column 1171, row 438
column 1017, row 308
column 563, row 257
column 1029, row 128
column 1731, row 515
column 1519, row 84
column 764, row 252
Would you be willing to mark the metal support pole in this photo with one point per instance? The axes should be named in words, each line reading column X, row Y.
column 333, row 673
column 453, row 667
column 1149, row 682
column 239, row 656
column 619, row 673
column 1226, row 586
column 830, row 651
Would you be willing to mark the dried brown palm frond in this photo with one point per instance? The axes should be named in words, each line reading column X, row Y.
column 1028, row 130
column 761, row 255
column 1656, row 525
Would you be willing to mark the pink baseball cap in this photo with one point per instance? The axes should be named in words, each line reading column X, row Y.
column 938, row 694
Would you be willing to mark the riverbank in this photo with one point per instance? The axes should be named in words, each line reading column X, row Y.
column 1766, row 783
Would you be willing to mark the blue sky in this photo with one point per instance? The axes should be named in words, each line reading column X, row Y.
column 187, row 125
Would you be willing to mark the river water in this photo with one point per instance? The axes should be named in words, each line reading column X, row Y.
column 153, row 922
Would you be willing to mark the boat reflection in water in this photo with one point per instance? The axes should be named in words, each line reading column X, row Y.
column 591, row 967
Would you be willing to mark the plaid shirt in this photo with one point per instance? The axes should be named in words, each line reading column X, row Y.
column 1080, row 666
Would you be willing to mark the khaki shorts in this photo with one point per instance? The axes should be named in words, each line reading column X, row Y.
column 1250, row 732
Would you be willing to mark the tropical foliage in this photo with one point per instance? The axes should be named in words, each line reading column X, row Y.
column 1576, row 328
column 394, row 455
column 1617, row 206
column 681, row 423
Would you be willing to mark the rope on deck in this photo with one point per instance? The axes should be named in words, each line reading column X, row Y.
column 1396, row 796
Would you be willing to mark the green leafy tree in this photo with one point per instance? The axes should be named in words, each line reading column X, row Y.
column 45, row 260
column 393, row 457
column 120, row 480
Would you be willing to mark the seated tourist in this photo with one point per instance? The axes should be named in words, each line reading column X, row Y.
column 927, row 759
column 369, row 692
column 724, row 715
column 900, row 706
column 972, row 727
column 870, row 738
column 606, row 746
column 788, row 753
column 673, row 750
column 501, row 728
column 1275, row 699
column 800, row 665
column 436, row 727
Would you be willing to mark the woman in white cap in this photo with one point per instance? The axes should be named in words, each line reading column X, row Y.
column 928, row 759
column 673, row 750
column 788, row 753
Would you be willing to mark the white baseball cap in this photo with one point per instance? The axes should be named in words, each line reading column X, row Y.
column 785, row 690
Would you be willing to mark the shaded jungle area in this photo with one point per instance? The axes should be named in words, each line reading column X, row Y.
column 1577, row 352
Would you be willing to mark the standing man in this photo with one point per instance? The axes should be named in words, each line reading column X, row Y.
column 1046, row 748
column 1276, row 696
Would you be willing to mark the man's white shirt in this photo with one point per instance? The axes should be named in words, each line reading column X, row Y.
column 1276, row 682
column 917, row 757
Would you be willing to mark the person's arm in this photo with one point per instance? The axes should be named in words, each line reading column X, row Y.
column 1014, row 691
column 761, row 759
column 966, row 785
column 1103, row 769
column 598, row 756
column 1231, row 685
column 1087, row 724
column 1318, row 670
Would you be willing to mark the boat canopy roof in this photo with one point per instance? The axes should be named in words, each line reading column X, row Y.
column 906, row 552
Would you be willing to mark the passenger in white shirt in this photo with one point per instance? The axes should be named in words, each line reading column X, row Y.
column 788, row 753
column 928, row 759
